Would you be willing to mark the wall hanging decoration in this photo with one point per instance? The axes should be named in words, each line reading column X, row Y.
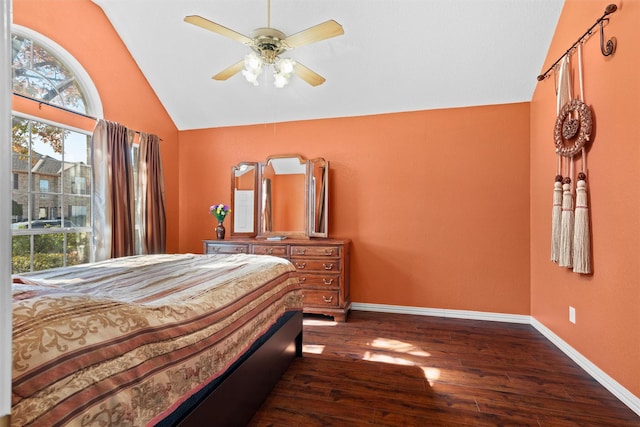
column 570, row 233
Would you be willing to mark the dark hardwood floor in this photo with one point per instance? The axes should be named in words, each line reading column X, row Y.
column 405, row 370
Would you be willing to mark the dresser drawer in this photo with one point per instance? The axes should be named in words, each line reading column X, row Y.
column 322, row 268
column 212, row 248
column 315, row 251
column 326, row 281
column 274, row 250
column 321, row 298
column 316, row 265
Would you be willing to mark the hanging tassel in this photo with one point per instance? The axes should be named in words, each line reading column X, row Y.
column 563, row 95
column 566, row 225
column 582, row 236
column 556, row 215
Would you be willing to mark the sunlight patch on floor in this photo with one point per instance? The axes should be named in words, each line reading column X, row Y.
column 383, row 350
column 318, row 322
column 399, row 350
column 313, row 349
column 431, row 374
column 385, row 358
column 399, row 346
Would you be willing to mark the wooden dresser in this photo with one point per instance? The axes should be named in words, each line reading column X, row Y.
column 322, row 267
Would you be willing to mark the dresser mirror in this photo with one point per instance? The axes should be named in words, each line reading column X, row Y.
column 284, row 196
column 318, row 197
column 244, row 199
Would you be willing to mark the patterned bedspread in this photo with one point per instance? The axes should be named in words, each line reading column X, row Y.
column 125, row 341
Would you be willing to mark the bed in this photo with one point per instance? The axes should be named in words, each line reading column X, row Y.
column 153, row 340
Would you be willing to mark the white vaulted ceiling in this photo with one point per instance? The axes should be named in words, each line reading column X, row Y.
column 394, row 56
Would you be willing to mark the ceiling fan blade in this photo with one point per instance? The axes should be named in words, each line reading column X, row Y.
column 229, row 71
column 323, row 31
column 308, row 75
column 217, row 28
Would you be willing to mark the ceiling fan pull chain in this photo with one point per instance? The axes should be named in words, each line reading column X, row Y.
column 268, row 13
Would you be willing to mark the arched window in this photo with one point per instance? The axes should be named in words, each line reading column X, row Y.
column 38, row 74
column 52, row 206
column 44, row 70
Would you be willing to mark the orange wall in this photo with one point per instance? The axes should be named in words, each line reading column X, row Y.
column 607, row 329
column 81, row 28
column 472, row 231
column 457, row 238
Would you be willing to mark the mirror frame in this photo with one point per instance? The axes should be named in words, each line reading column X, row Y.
column 234, row 169
column 315, row 217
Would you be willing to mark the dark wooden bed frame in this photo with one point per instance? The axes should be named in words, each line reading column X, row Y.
column 237, row 398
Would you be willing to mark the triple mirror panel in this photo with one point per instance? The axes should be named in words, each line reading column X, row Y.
column 284, row 196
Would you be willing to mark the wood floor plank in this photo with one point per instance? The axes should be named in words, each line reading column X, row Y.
column 384, row 369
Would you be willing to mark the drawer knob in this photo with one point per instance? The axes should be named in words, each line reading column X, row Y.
column 300, row 251
column 302, row 279
column 240, row 250
column 268, row 251
column 327, row 281
column 328, row 252
column 215, row 249
column 328, row 266
column 301, row 265
column 327, row 300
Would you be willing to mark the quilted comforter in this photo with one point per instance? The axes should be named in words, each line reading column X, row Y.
column 125, row 341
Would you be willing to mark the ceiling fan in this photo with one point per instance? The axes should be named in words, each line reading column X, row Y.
column 267, row 45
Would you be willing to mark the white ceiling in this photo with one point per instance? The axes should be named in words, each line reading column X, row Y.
column 394, row 56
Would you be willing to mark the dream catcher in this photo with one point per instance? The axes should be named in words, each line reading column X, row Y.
column 570, row 235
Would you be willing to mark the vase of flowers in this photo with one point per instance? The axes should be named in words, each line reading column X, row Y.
column 220, row 211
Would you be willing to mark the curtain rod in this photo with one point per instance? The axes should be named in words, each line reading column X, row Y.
column 59, row 107
column 606, row 51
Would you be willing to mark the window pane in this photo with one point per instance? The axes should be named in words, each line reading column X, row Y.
column 77, row 148
column 78, row 211
column 40, row 75
column 20, row 194
column 48, row 141
column 21, row 254
column 34, row 85
column 46, row 207
column 78, row 247
column 20, row 140
column 48, row 251
column 21, row 52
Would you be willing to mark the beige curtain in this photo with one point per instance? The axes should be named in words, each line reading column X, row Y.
column 113, row 191
column 150, row 206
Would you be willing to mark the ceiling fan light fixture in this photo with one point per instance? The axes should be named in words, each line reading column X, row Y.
column 251, row 76
column 280, row 80
column 286, row 66
column 282, row 71
column 252, row 68
column 253, row 63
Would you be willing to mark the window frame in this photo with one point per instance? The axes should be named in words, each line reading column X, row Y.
column 93, row 107
column 33, row 233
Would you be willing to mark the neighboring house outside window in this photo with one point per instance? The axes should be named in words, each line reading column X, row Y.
column 51, row 162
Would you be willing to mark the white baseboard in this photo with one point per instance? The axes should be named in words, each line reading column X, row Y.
column 441, row 312
column 624, row 395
